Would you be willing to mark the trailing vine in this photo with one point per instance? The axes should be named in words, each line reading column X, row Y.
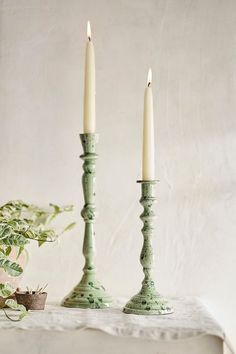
column 21, row 223
column 6, row 291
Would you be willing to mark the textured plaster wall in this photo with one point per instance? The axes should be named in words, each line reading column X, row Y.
column 191, row 48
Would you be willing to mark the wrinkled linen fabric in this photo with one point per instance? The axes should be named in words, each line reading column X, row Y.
column 190, row 319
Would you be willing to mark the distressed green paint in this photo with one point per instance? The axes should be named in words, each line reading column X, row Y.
column 89, row 293
column 148, row 301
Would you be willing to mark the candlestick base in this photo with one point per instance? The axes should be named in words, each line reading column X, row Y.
column 147, row 302
column 89, row 293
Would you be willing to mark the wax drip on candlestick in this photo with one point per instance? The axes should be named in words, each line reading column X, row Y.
column 149, row 79
column 89, row 31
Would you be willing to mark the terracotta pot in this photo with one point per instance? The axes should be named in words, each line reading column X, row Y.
column 32, row 301
column 22, row 261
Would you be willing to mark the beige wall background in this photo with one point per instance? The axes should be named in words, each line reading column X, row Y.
column 191, row 48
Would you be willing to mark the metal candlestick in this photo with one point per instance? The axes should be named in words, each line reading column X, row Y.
column 148, row 301
column 89, row 293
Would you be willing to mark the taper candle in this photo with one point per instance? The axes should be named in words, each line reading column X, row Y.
column 148, row 166
column 89, row 86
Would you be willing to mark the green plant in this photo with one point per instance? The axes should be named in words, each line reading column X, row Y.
column 5, row 292
column 21, row 223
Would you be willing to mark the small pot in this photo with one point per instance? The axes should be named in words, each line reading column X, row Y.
column 32, row 301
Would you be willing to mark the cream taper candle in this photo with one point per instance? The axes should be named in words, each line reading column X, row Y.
column 148, row 166
column 89, row 86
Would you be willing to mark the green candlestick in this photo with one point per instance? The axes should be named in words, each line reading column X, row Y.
column 89, row 293
column 148, row 301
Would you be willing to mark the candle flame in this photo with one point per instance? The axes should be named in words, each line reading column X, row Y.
column 89, row 30
column 149, row 79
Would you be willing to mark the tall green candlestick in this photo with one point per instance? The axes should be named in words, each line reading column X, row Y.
column 148, row 301
column 89, row 293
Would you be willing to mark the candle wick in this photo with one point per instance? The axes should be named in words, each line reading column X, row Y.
column 149, row 84
column 89, row 38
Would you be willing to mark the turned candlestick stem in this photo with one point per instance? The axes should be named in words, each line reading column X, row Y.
column 89, row 293
column 148, row 301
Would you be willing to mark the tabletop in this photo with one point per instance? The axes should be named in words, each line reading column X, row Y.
column 189, row 320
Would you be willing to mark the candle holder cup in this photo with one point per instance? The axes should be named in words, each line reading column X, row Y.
column 148, row 301
column 89, row 293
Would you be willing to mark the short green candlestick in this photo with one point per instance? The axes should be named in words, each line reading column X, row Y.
column 148, row 301
column 89, row 293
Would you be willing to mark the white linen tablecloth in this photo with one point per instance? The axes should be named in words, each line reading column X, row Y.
column 190, row 320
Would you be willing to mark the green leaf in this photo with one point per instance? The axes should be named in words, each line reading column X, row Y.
column 42, row 240
column 56, row 208
column 5, row 230
column 8, row 250
column 21, row 249
column 10, row 267
column 68, row 208
column 14, row 240
column 6, row 290
column 15, row 306
column 11, row 232
column 46, row 236
column 69, row 227
column 51, row 217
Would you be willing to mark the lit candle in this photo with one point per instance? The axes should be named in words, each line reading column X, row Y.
column 89, row 86
column 148, row 168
